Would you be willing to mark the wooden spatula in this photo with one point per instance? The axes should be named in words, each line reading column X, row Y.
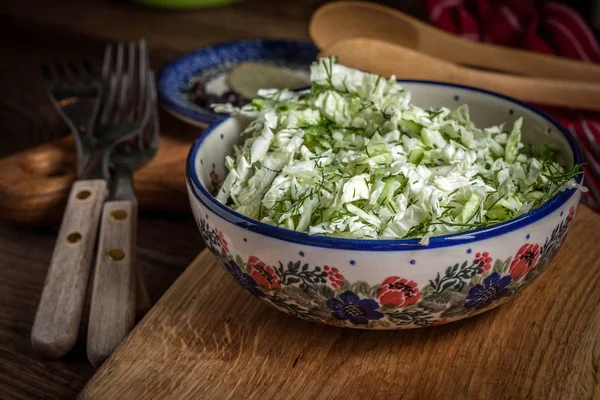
column 384, row 58
column 350, row 19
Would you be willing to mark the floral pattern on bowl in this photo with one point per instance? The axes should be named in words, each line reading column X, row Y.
column 386, row 284
column 322, row 294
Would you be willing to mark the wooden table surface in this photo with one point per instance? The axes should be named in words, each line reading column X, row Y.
column 37, row 31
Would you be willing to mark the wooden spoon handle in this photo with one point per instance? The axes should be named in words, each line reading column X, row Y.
column 341, row 20
column 522, row 62
column 543, row 91
column 387, row 59
column 57, row 319
column 112, row 310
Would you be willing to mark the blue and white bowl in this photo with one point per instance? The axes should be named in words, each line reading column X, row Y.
column 387, row 284
column 212, row 63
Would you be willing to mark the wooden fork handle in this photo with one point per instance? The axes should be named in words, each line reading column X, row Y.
column 113, row 305
column 56, row 323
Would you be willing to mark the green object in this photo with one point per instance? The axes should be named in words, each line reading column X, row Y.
column 512, row 145
column 469, row 209
column 351, row 157
column 184, row 4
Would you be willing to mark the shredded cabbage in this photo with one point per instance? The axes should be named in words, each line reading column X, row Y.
column 354, row 158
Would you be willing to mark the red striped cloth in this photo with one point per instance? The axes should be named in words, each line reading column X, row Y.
column 545, row 26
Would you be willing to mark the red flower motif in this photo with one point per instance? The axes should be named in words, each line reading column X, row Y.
column 222, row 241
column 571, row 213
column 398, row 292
column 264, row 275
column 525, row 260
column 484, row 260
column 214, row 178
column 334, row 276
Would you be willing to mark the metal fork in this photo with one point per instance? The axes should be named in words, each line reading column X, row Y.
column 56, row 324
column 73, row 87
column 112, row 312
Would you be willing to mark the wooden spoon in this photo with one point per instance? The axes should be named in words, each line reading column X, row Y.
column 384, row 58
column 347, row 19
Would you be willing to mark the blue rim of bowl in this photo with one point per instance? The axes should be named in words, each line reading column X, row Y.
column 171, row 98
column 476, row 235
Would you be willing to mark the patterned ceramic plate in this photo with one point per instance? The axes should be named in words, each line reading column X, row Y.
column 188, row 85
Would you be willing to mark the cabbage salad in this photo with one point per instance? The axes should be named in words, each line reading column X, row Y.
column 353, row 158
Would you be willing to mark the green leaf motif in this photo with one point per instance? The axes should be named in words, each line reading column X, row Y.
column 501, row 267
column 301, row 297
column 240, row 262
column 361, row 288
column 450, row 283
column 373, row 291
column 384, row 323
column 326, row 292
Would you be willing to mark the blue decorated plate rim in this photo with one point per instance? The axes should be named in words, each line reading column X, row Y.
column 170, row 97
column 462, row 238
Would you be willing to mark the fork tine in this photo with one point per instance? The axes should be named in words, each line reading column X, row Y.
column 119, row 63
column 119, row 73
column 122, row 102
column 104, row 88
column 142, row 88
column 145, row 139
column 109, row 104
column 154, row 97
column 106, row 63
column 143, row 76
column 132, row 73
column 151, row 113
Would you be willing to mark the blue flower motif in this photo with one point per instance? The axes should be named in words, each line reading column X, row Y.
column 493, row 288
column 242, row 278
column 350, row 307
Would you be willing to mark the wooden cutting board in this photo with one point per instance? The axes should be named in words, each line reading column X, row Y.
column 208, row 339
column 34, row 184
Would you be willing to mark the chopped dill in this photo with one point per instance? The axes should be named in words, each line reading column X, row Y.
column 423, row 177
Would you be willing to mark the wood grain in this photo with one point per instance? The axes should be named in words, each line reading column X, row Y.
column 342, row 20
column 36, row 182
column 208, row 339
column 112, row 309
column 56, row 322
column 385, row 58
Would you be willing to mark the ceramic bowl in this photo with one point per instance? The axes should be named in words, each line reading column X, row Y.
column 387, row 284
column 211, row 66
